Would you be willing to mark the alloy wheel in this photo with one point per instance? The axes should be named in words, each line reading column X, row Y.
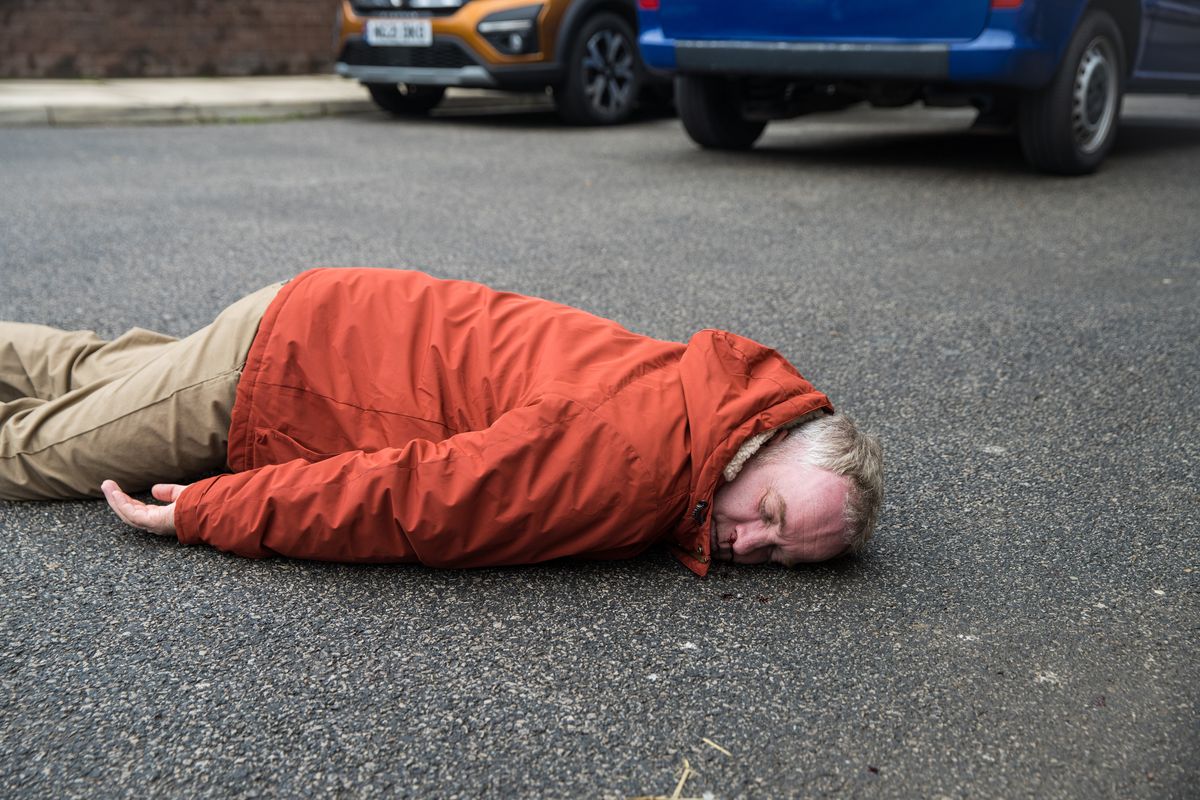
column 609, row 75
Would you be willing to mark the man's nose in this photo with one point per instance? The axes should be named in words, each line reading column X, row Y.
column 747, row 538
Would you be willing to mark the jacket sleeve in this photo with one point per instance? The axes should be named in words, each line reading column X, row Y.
column 545, row 481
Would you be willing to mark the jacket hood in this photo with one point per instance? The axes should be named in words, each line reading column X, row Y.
column 734, row 389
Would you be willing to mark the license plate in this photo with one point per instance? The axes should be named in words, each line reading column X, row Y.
column 404, row 32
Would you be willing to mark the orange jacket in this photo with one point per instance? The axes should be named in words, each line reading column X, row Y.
column 389, row 416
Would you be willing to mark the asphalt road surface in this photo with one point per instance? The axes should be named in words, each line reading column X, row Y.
column 1025, row 623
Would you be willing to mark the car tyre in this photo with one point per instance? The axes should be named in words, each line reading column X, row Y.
column 1068, row 127
column 604, row 73
column 406, row 99
column 709, row 109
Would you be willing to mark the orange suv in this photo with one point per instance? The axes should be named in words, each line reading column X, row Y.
column 407, row 52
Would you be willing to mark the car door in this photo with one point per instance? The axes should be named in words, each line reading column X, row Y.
column 1171, row 46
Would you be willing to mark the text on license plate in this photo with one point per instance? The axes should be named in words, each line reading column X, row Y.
column 407, row 32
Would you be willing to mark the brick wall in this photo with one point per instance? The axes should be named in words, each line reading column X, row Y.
column 153, row 38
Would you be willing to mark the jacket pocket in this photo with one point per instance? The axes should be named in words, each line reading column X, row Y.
column 273, row 447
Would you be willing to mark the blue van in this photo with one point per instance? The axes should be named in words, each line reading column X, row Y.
column 1056, row 69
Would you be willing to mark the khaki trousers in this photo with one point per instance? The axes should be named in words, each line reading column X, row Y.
column 142, row 409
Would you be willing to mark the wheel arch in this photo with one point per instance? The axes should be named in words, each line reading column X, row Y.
column 578, row 13
column 1128, row 16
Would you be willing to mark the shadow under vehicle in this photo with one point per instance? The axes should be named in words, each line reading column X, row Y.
column 1053, row 70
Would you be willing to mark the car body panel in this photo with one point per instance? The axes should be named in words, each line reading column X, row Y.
column 459, row 31
column 486, row 66
column 1012, row 47
column 818, row 20
column 1171, row 46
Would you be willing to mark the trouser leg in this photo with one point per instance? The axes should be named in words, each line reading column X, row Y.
column 154, row 410
column 44, row 362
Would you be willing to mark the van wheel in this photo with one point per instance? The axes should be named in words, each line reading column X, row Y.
column 604, row 74
column 709, row 109
column 1068, row 127
column 405, row 99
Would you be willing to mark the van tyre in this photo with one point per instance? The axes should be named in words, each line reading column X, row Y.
column 405, row 99
column 711, row 113
column 604, row 73
column 1069, row 127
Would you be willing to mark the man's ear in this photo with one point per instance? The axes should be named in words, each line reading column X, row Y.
column 779, row 436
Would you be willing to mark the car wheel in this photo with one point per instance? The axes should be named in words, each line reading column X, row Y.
column 405, row 99
column 604, row 74
column 1069, row 126
column 709, row 109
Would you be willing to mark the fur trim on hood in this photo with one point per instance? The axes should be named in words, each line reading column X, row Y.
column 755, row 442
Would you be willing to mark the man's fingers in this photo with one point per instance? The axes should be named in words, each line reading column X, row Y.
column 132, row 512
column 115, row 497
column 123, row 505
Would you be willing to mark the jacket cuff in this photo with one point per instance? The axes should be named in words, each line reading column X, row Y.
column 187, row 511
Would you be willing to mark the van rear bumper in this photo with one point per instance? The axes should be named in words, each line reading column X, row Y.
column 998, row 57
column 815, row 59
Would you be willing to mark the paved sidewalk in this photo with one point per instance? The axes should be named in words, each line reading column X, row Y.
column 183, row 100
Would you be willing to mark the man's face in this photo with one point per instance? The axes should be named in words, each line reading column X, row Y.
column 779, row 512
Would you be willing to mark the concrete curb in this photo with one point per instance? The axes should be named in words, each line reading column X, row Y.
column 182, row 101
column 66, row 116
column 174, row 100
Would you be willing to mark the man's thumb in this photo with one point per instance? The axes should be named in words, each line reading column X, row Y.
column 167, row 492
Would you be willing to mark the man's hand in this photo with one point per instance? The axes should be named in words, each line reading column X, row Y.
column 159, row 520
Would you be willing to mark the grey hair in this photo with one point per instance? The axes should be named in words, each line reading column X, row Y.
column 834, row 443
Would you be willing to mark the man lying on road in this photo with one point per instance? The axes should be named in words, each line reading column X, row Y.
column 383, row 416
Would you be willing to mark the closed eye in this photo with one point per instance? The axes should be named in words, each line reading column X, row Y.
column 778, row 509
